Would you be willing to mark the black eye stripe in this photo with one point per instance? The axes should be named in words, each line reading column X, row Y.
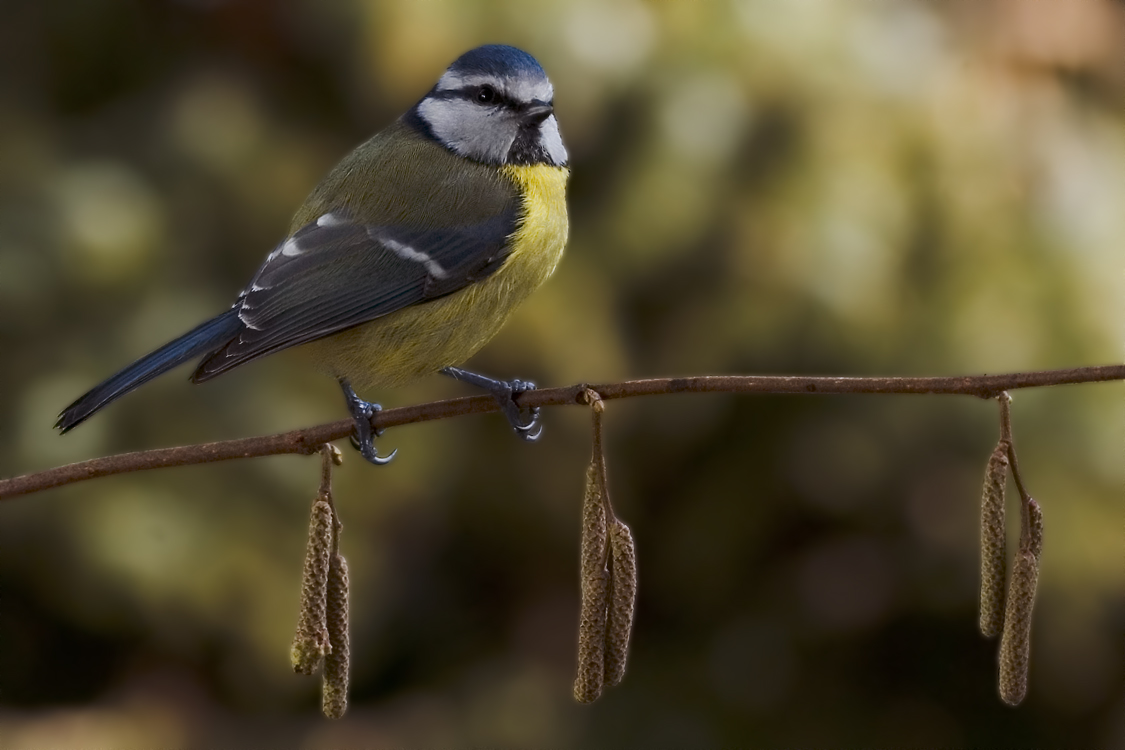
column 471, row 92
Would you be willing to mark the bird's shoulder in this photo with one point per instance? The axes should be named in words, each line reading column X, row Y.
column 399, row 177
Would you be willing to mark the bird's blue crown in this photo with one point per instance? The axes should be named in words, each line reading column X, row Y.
column 497, row 60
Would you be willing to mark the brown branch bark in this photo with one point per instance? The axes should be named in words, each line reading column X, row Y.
column 308, row 440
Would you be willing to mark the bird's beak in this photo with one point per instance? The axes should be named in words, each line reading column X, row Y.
column 535, row 113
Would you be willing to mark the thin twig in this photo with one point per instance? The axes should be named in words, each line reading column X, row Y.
column 1006, row 435
column 308, row 440
column 1005, row 417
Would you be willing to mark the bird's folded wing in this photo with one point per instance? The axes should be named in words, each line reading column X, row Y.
column 334, row 274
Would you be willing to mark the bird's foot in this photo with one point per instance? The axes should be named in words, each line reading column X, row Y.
column 364, row 436
column 505, row 393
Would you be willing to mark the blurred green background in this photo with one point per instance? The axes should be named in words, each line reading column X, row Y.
column 762, row 186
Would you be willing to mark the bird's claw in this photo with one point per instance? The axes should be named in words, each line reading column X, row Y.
column 363, row 438
column 525, row 430
column 505, row 392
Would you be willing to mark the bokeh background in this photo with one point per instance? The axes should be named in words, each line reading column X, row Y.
column 760, row 186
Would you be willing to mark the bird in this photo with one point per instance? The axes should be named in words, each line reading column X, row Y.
column 408, row 256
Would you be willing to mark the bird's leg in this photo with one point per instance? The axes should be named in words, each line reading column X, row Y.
column 364, row 436
column 505, row 393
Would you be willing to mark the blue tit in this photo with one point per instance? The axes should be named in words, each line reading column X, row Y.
column 410, row 255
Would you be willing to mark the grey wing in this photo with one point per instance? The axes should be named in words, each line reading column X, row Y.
column 333, row 274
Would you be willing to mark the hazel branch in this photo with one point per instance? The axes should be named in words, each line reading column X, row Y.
column 308, row 440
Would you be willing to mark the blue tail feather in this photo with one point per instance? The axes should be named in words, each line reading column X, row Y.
column 202, row 339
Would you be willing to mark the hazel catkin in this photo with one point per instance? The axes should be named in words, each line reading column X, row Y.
column 608, row 593
column 594, row 580
column 622, row 600
column 311, row 642
column 334, row 684
column 1015, row 643
column 591, row 638
column 593, row 576
column 993, row 545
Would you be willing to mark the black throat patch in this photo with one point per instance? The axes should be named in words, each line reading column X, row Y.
column 528, row 149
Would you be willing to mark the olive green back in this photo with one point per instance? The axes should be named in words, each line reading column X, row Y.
column 398, row 177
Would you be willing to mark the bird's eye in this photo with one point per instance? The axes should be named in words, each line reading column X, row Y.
column 486, row 95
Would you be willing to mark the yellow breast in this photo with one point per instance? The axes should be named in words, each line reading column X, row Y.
column 541, row 235
column 422, row 339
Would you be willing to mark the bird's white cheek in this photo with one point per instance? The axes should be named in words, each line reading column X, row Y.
column 552, row 141
column 468, row 129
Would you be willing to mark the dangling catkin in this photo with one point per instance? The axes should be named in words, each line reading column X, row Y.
column 334, row 685
column 594, row 589
column 593, row 574
column 1015, row 643
column 311, row 642
column 591, row 639
column 993, row 552
column 622, row 600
